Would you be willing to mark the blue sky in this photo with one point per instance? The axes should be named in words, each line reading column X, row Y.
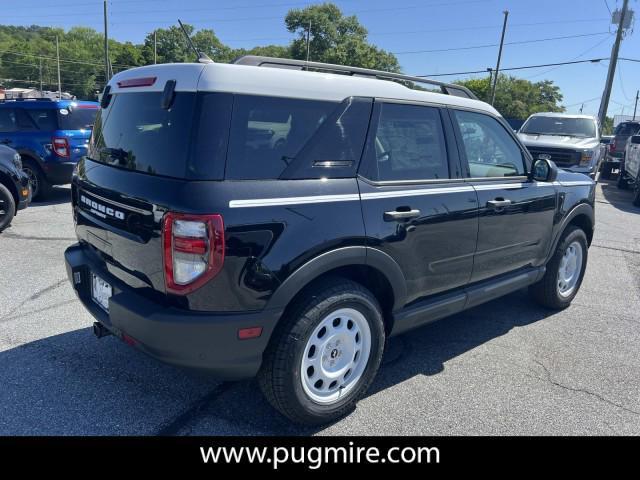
column 398, row 26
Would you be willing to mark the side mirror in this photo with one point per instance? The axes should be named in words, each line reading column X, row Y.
column 635, row 139
column 544, row 171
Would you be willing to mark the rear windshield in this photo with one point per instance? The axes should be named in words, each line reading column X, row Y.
column 134, row 132
column 572, row 127
column 78, row 118
column 210, row 136
column 627, row 129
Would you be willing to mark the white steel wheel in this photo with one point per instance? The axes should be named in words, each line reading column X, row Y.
column 335, row 356
column 570, row 269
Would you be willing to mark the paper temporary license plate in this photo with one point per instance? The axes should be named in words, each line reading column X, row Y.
column 100, row 292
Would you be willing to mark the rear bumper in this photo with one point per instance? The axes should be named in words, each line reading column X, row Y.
column 205, row 341
column 59, row 173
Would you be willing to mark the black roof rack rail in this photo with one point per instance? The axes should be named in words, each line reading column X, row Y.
column 259, row 61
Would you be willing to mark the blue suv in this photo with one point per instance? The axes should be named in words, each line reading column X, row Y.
column 50, row 136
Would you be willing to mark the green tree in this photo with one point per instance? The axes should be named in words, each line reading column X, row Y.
column 335, row 38
column 607, row 128
column 172, row 45
column 516, row 97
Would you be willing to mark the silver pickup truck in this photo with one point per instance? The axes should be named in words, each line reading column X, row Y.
column 571, row 141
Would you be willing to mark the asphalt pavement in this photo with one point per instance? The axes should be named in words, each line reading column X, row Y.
column 506, row 367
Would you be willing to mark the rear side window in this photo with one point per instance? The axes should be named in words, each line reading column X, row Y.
column 267, row 133
column 408, row 144
column 78, row 118
column 44, row 119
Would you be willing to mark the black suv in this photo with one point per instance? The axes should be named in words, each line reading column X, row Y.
column 15, row 193
column 284, row 223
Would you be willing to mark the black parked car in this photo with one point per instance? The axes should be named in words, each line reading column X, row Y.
column 247, row 220
column 15, row 193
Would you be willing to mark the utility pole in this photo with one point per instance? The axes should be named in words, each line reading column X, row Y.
column 581, row 108
column 40, row 71
column 308, row 40
column 613, row 60
column 635, row 109
column 58, row 58
column 497, row 72
column 155, row 47
column 107, row 69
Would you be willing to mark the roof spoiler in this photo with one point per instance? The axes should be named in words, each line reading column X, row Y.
column 259, row 61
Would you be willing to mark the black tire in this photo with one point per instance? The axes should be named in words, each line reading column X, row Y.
column 280, row 377
column 7, row 207
column 606, row 171
column 622, row 179
column 636, row 192
column 40, row 187
column 546, row 291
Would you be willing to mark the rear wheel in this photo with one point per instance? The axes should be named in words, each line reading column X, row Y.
column 40, row 187
column 7, row 207
column 326, row 353
column 636, row 192
column 565, row 271
column 622, row 179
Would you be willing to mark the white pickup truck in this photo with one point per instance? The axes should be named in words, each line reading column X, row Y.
column 571, row 141
column 630, row 175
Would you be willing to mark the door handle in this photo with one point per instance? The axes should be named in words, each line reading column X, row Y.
column 498, row 203
column 396, row 215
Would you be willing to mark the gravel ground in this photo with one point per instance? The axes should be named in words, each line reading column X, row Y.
column 507, row 367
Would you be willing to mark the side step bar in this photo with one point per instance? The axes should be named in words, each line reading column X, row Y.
column 442, row 306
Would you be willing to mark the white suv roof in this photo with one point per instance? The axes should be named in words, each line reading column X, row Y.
column 281, row 82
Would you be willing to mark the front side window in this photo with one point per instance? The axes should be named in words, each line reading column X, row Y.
column 408, row 144
column 7, row 120
column 489, row 149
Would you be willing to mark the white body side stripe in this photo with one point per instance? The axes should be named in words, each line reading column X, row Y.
column 274, row 202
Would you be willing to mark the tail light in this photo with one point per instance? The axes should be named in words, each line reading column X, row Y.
column 193, row 248
column 61, row 146
column 612, row 146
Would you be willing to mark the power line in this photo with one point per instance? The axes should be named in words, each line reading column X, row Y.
column 4, row 60
column 472, row 47
column 357, row 11
column 588, row 50
column 592, row 60
column 61, row 60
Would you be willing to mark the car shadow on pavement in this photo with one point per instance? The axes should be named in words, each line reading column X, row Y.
column 56, row 196
column 620, row 199
column 74, row 384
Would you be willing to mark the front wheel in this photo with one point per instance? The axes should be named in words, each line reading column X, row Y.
column 40, row 187
column 565, row 271
column 326, row 353
column 7, row 207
